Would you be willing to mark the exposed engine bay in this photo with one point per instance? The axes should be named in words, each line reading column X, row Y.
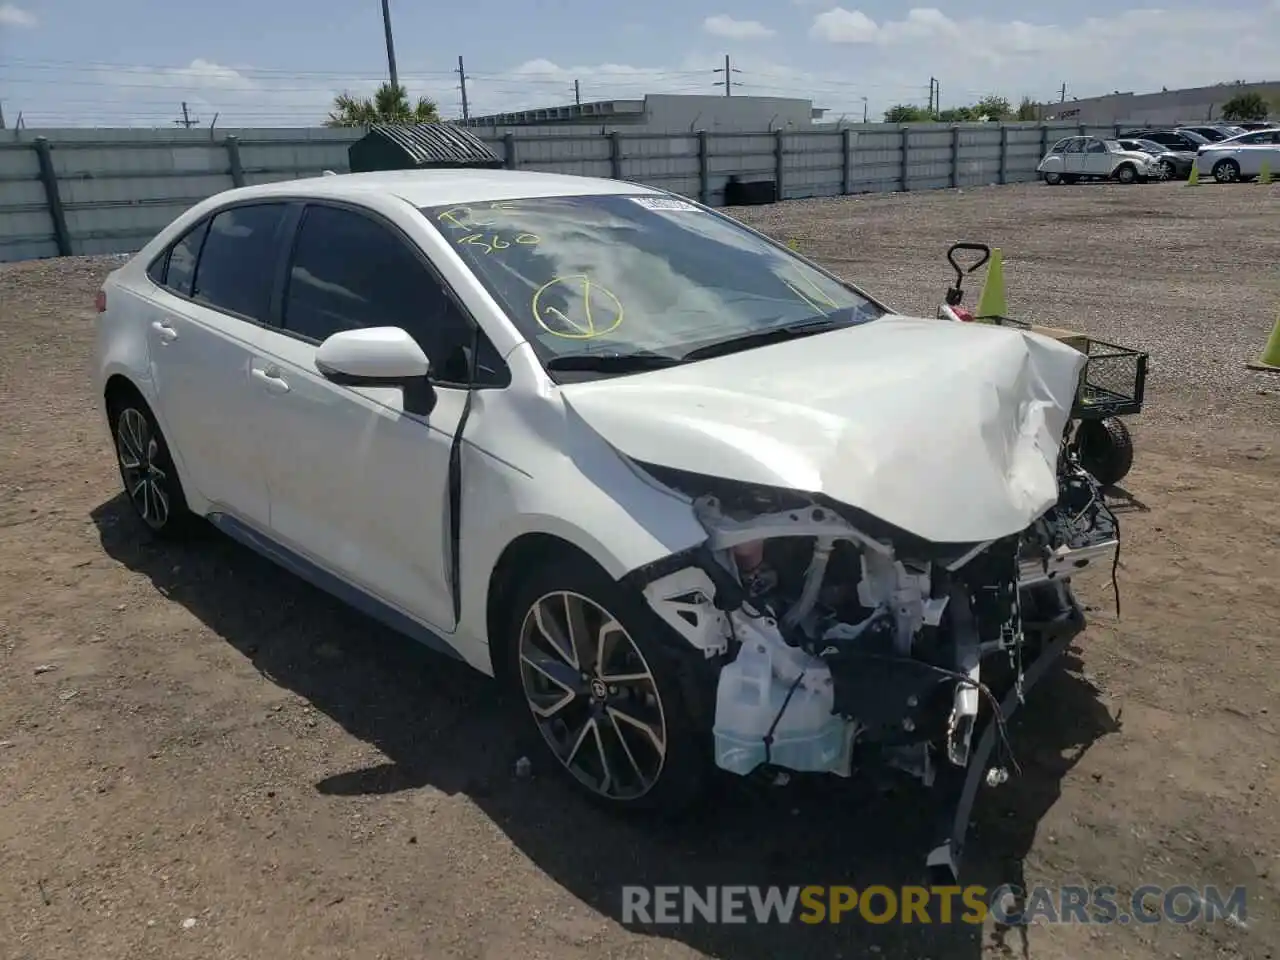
column 840, row 640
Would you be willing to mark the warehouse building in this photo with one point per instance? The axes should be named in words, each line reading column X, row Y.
column 1168, row 107
column 659, row 113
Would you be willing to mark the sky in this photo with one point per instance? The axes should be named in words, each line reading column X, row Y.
column 280, row 62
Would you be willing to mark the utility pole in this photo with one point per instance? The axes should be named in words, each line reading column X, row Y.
column 187, row 120
column 1, row 114
column 391, row 47
column 728, row 70
column 1062, row 94
column 935, row 97
column 462, row 85
column 864, row 109
column 577, row 93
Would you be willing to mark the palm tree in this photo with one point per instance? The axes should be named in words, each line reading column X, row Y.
column 390, row 104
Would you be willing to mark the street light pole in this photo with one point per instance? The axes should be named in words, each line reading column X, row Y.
column 391, row 47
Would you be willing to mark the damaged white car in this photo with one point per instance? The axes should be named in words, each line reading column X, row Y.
column 702, row 503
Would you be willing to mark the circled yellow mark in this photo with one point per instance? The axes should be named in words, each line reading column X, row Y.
column 582, row 319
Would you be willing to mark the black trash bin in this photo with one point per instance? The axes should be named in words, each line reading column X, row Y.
column 420, row 146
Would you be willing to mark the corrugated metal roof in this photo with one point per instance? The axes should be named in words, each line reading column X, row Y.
column 437, row 143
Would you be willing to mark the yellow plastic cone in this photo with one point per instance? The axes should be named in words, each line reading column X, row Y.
column 1264, row 175
column 1270, row 359
column 992, row 302
column 1195, row 175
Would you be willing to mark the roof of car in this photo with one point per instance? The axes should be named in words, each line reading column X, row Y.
column 425, row 188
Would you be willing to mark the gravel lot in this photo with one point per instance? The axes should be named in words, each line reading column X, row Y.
column 203, row 757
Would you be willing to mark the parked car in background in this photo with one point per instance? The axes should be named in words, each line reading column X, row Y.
column 1242, row 157
column 1216, row 132
column 1092, row 158
column 1249, row 125
column 1176, row 164
column 1173, row 139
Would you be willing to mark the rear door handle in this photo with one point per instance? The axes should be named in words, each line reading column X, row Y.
column 271, row 379
column 166, row 332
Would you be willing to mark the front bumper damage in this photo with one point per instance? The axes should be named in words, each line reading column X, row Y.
column 840, row 643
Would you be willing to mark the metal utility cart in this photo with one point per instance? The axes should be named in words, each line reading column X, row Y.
column 1113, row 385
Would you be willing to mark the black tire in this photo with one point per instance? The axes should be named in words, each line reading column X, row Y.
column 146, row 467
column 1226, row 171
column 1105, row 448
column 1127, row 173
column 683, row 772
column 1053, row 178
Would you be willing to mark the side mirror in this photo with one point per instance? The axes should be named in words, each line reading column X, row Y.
column 379, row 357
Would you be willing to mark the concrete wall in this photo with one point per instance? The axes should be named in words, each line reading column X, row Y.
column 1193, row 105
column 84, row 191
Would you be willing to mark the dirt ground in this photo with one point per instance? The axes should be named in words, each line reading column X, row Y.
column 200, row 756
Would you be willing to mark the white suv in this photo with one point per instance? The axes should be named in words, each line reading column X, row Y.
column 699, row 501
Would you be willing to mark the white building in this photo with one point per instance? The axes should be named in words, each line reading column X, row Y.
column 1192, row 105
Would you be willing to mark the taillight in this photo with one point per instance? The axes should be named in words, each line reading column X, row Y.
column 963, row 314
column 100, row 301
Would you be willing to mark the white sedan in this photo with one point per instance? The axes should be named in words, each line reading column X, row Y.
column 699, row 501
column 1242, row 157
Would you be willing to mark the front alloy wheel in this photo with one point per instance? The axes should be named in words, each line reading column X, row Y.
column 593, row 695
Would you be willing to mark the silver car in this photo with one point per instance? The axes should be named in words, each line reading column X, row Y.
column 1078, row 158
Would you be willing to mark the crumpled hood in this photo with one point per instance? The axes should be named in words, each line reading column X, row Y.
column 950, row 431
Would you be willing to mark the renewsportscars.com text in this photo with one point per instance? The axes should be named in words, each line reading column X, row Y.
column 1008, row 905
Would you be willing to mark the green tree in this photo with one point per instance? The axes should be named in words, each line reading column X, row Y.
column 1028, row 110
column 958, row 115
column 992, row 107
column 905, row 113
column 1245, row 106
column 389, row 104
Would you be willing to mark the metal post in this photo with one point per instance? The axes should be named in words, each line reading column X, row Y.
column 391, row 47
column 1004, row 153
column 955, row 155
column 846, row 161
column 704, row 170
column 615, row 155
column 779, row 159
column 509, row 150
column 906, row 158
column 233, row 155
column 49, row 177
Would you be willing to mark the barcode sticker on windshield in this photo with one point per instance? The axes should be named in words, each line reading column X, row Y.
column 666, row 203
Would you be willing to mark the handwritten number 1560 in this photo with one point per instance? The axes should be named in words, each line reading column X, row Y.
column 494, row 242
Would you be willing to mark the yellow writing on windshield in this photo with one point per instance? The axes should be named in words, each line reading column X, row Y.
column 576, row 308
column 492, row 242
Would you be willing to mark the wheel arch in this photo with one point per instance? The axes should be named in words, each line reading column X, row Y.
column 119, row 385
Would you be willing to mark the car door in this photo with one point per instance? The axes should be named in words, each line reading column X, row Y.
column 357, row 484
column 1253, row 149
column 205, row 321
column 1096, row 159
column 1073, row 157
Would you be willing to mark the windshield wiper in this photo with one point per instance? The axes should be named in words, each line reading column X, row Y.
column 613, row 362
column 761, row 338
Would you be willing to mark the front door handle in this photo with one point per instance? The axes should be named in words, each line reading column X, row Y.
column 272, row 380
column 166, row 332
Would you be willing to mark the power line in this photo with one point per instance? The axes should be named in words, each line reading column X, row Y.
column 187, row 120
column 462, row 85
column 728, row 83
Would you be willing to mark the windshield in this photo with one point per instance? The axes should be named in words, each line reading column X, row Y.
column 629, row 275
column 1150, row 146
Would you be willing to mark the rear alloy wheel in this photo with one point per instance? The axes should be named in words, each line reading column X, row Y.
column 1127, row 173
column 1167, row 170
column 604, row 693
column 146, row 469
column 1226, row 171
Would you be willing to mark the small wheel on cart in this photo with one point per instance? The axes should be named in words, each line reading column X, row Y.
column 1106, row 449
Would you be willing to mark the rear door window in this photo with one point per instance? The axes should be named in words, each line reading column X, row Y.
column 238, row 260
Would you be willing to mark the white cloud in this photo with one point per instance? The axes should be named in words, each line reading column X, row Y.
column 12, row 15
column 721, row 25
column 844, row 26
